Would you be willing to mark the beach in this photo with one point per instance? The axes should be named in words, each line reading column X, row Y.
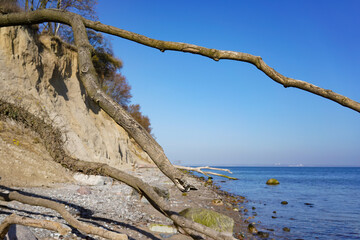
column 117, row 207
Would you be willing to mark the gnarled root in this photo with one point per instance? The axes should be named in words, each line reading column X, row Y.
column 60, row 208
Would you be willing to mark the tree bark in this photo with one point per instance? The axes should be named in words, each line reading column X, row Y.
column 223, row 54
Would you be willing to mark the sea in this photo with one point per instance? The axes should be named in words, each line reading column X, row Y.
column 323, row 202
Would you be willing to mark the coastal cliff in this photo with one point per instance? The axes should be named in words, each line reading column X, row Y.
column 39, row 73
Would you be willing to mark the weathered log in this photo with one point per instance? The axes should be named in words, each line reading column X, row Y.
column 37, row 223
column 60, row 208
column 207, row 173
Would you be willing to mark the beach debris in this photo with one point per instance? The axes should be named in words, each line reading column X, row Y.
column 162, row 228
column 209, row 218
column 272, row 181
column 217, row 202
column 199, row 170
column 284, row 203
column 252, row 228
column 286, row 229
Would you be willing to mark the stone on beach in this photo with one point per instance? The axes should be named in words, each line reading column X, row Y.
column 272, row 181
column 209, row 218
column 84, row 190
column 162, row 228
column 92, row 180
column 19, row 232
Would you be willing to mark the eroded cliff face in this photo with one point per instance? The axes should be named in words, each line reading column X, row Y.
column 40, row 74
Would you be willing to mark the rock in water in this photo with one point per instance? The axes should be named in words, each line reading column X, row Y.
column 252, row 228
column 209, row 218
column 272, row 181
column 19, row 232
column 286, row 229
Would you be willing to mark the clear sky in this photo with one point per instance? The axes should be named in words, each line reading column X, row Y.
column 229, row 113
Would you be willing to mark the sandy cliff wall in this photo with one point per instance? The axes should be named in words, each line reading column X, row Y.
column 40, row 74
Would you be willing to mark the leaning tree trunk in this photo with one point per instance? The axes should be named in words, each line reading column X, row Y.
column 89, row 78
column 90, row 81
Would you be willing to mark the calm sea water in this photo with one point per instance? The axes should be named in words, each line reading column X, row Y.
column 323, row 203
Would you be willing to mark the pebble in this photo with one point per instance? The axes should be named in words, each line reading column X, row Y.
column 84, row 190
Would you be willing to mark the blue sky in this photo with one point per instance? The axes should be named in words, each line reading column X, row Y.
column 229, row 113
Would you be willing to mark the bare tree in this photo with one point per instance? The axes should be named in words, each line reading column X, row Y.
column 89, row 79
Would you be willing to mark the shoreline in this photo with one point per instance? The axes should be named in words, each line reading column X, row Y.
column 117, row 207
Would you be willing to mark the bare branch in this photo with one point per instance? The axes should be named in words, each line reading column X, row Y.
column 37, row 223
column 223, row 54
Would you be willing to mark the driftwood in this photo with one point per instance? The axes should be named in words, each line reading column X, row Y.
column 60, row 208
column 38, row 223
column 207, row 173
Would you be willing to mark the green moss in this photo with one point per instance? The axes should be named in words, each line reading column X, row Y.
column 209, row 218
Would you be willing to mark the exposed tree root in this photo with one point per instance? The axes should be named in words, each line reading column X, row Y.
column 52, row 140
column 207, row 173
column 60, row 208
column 25, row 221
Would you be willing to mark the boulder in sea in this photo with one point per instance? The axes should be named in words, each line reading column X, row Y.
column 263, row 234
column 272, row 181
column 286, row 229
column 209, row 218
column 252, row 228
